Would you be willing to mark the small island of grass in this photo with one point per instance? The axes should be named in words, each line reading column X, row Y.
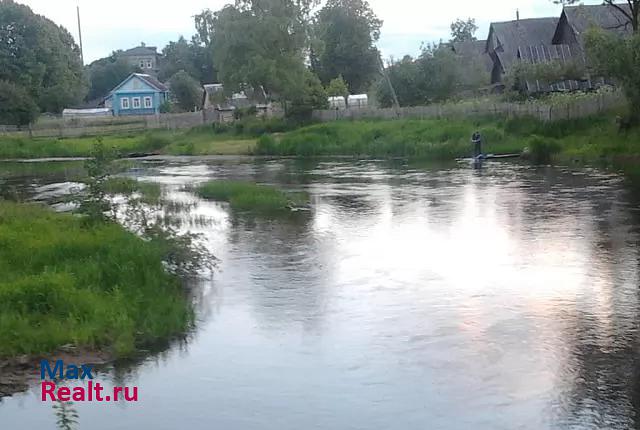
column 247, row 196
column 94, row 286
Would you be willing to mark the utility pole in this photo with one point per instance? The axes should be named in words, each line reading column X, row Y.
column 396, row 103
column 80, row 35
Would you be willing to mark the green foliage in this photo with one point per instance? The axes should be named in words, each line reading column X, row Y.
column 186, row 90
column 250, row 197
column 618, row 59
column 550, row 73
column 434, row 76
column 95, row 204
column 311, row 96
column 105, row 74
column 463, row 31
column 93, row 286
column 149, row 192
column 41, row 57
column 193, row 57
column 66, row 415
column 262, row 44
column 346, row 32
column 16, row 105
column 542, row 150
column 338, row 88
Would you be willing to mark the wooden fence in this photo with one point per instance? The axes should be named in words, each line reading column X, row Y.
column 573, row 108
column 76, row 127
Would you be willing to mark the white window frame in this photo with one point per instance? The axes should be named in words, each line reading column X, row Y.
column 133, row 103
column 124, row 103
column 149, row 64
column 148, row 105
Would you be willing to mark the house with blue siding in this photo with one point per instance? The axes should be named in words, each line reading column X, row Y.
column 139, row 94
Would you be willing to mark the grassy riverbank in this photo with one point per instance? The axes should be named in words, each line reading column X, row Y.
column 97, row 287
column 246, row 196
column 586, row 140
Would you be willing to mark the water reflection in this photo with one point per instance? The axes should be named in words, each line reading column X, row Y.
column 408, row 298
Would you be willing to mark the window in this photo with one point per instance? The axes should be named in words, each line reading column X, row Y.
column 124, row 103
column 147, row 102
column 136, row 102
column 142, row 64
column 149, row 64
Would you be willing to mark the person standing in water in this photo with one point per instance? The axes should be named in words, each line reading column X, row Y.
column 476, row 140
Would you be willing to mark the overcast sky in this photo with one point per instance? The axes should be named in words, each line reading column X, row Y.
column 122, row 24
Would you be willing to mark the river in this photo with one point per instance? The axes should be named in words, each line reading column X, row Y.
column 409, row 297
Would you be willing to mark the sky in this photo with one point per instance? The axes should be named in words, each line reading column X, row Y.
column 123, row 24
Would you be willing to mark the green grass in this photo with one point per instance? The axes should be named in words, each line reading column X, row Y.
column 584, row 140
column 97, row 287
column 247, row 196
column 150, row 192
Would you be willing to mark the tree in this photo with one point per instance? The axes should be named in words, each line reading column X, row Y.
column 261, row 43
column 338, row 88
column 310, row 96
column 41, row 57
column 186, row 90
column 16, row 105
column 463, row 31
column 346, row 32
column 619, row 59
column 105, row 74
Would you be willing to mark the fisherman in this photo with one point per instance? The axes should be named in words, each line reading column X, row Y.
column 476, row 140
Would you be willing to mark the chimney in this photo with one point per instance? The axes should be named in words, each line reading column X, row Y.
column 517, row 14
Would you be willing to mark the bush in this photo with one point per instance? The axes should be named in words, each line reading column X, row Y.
column 542, row 150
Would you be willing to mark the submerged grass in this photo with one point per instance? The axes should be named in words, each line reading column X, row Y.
column 150, row 192
column 92, row 286
column 247, row 196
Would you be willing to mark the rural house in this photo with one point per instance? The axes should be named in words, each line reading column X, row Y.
column 508, row 42
column 139, row 94
column 576, row 20
column 146, row 58
column 477, row 64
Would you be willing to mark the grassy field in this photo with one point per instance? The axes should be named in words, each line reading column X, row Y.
column 246, row 196
column 586, row 140
column 96, row 287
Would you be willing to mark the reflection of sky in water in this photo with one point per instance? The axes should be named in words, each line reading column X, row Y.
column 441, row 298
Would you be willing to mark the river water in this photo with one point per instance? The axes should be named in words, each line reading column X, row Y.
column 409, row 297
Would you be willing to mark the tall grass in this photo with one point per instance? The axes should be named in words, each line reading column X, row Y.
column 149, row 191
column 93, row 286
column 246, row 196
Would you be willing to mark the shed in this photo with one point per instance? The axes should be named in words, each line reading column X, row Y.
column 337, row 102
column 358, row 101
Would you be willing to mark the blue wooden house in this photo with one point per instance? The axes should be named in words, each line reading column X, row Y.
column 139, row 94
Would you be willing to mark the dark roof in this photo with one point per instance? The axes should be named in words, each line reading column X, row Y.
column 474, row 49
column 141, row 50
column 607, row 17
column 512, row 35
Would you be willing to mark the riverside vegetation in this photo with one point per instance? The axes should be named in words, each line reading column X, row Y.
column 247, row 196
column 587, row 140
column 87, row 281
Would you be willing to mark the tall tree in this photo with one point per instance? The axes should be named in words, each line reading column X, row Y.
column 106, row 73
column 41, row 57
column 463, row 30
column 192, row 57
column 346, row 32
column 261, row 43
column 186, row 90
column 16, row 105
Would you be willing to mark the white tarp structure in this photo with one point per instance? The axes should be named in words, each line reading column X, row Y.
column 357, row 101
column 337, row 102
column 86, row 113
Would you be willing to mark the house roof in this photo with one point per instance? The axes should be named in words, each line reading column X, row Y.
column 607, row 17
column 510, row 36
column 141, row 50
column 474, row 49
column 149, row 80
